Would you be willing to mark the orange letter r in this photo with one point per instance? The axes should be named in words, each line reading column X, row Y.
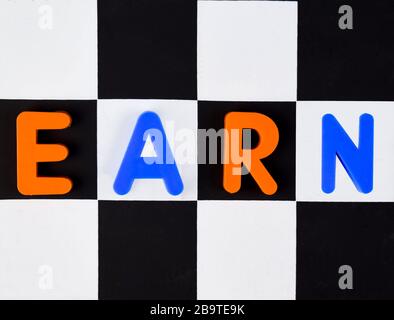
column 236, row 156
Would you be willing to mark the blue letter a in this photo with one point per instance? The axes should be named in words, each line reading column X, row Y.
column 135, row 166
column 358, row 162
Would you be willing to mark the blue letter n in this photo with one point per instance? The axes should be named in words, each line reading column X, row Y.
column 357, row 161
column 135, row 166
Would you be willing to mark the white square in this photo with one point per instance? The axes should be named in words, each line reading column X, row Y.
column 48, row 49
column 116, row 123
column 246, row 250
column 247, row 50
column 48, row 249
column 309, row 150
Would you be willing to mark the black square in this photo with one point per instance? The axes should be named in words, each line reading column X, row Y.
column 147, row 49
column 330, row 235
column 336, row 64
column 148, row 250
column 280, row 164
column 79, row 138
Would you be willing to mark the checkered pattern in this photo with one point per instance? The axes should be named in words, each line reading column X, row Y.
column 107, row 61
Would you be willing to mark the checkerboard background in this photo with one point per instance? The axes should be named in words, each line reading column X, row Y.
column 107, row 61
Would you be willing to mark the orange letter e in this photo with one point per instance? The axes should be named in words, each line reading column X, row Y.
column 30, row 153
